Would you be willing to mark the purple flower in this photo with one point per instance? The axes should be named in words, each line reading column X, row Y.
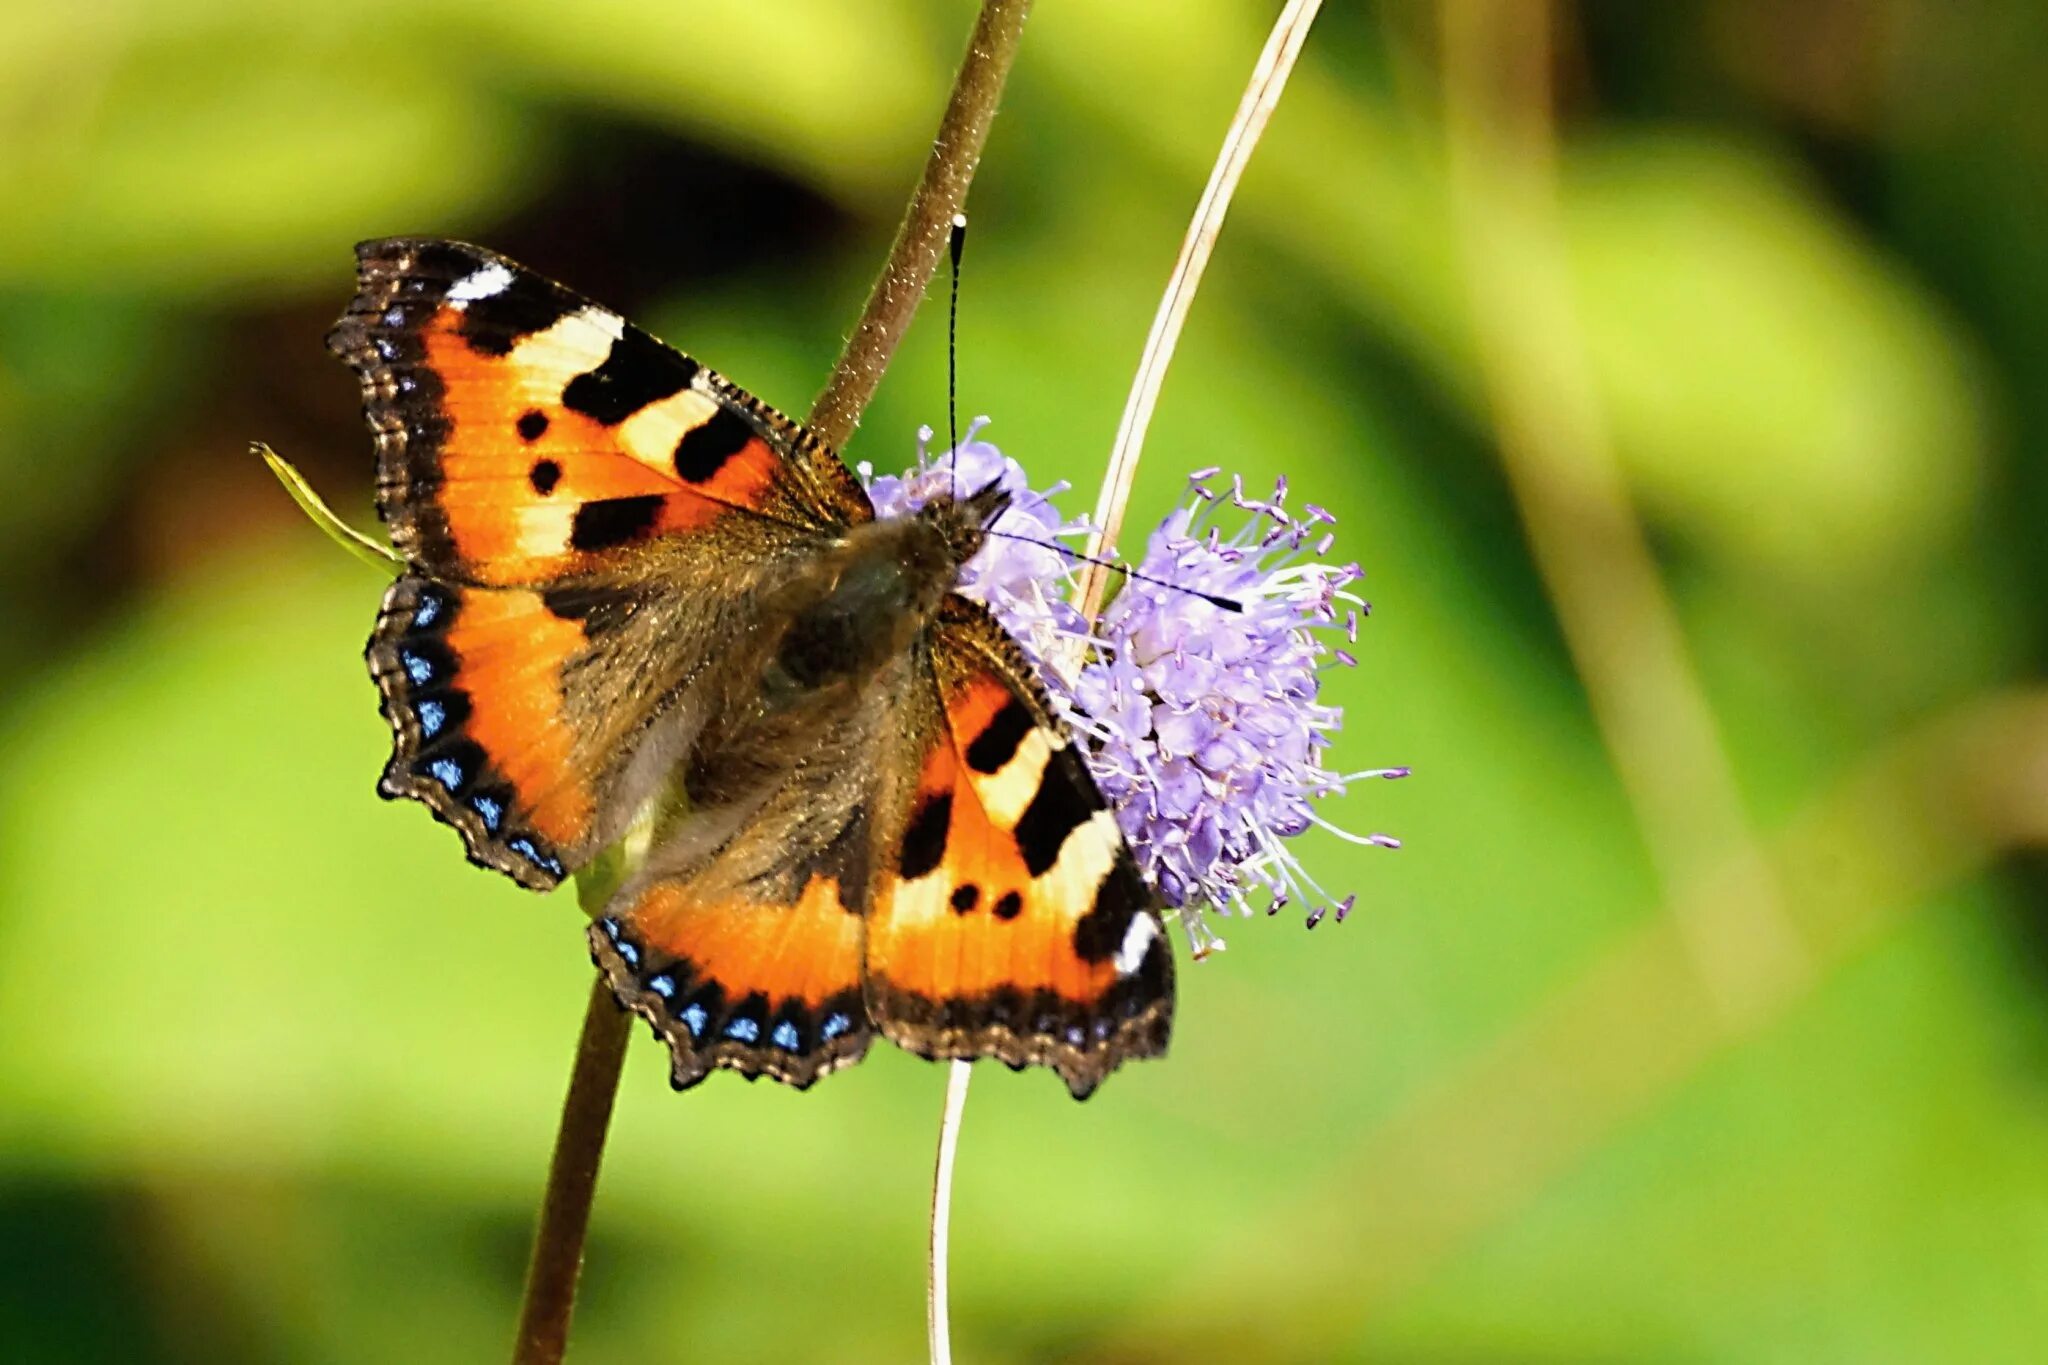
column 1021, row 574
column 1202, row 725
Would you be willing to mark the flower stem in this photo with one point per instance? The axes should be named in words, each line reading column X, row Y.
column 1261, row 95
column 601, row 1049
column 921, row 238
column 938, row 1324
column 572, row 1181
column 1269, row 79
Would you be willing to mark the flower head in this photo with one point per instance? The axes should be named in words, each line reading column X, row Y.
column 1021, row 573
column 1211, row 725
column 1203, row 725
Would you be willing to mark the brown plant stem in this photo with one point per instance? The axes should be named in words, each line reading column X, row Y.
column 550, row 1296
column 572, row 1181
column 921, row 238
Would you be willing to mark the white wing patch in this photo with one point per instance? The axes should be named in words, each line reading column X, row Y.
column 1005, row 793
column 493, row 279
column 1137, row 939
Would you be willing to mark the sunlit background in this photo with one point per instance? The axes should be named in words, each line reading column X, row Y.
column 1677, row 373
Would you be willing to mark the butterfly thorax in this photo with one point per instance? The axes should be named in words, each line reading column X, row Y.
column 863, row 603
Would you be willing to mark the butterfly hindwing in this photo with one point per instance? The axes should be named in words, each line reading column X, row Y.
column 1009, row 918
column 740, row 943
column 466, row 678
column 762, row 989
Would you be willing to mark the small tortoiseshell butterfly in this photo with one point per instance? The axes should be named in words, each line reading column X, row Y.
column 624, row 571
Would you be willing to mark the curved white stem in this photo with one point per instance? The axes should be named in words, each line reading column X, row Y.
column 938, row 1323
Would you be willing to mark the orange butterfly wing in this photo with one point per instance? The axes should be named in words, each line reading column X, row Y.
column 525, row 434
column 1010, row 919
column 733, row 982
column 740, row 941
column 540, row 461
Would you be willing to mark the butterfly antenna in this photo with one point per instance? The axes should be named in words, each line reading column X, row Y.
column 956, row 242
column 1117, row 566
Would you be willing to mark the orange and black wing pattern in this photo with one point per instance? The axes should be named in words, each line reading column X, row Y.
column 1009, row 918
column 766, row 986
column 569, row 494
column 525, row 434
column 740, row 941
column 469, row 684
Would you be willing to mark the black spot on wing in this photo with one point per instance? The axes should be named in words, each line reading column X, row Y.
column 494, row 324
column 544, row 475
column 1010, row 906
column 611, row 522
column 599, row 609
column 704, row 449
column 639, row 370
column 997, row 743
column 966, row 897
column 532, row 424
column 1064, row 802
column 924, row 843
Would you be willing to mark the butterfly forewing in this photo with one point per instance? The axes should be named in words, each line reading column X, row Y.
column 525, row 433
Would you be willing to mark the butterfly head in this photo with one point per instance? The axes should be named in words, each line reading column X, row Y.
column 959, row 526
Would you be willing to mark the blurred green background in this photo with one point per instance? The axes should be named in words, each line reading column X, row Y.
column 1678, row 373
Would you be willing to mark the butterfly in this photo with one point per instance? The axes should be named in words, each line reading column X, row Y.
column 628, row 580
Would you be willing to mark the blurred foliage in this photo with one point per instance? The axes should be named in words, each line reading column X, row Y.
column 280, row 1070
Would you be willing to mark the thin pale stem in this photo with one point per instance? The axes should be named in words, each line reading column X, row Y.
column 572, row 1182
column 600, row 1053
column 921, row 238
column 1261, row 95
column 938, row 1314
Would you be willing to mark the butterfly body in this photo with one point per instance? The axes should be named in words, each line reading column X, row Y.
column 630, row 581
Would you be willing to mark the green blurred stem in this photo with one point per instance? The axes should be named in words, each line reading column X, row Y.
column 921, row 238
column 1618, row 618
column 601, row 1050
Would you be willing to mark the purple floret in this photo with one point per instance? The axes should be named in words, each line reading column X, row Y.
column 1203, row 726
